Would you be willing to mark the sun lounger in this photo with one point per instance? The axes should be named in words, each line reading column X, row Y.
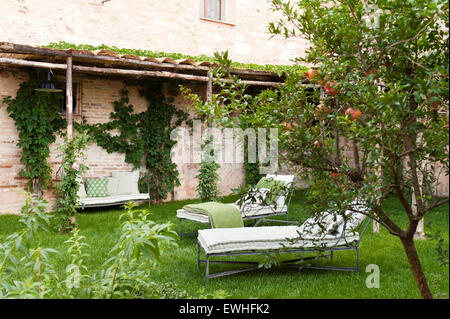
column 325, row 234
column 249, row 211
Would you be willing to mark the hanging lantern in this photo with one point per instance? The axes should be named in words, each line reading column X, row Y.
column 48, row 86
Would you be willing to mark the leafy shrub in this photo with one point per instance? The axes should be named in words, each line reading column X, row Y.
column 28, row 272
column 72, row 158
column 169, row 291
column 208, row 176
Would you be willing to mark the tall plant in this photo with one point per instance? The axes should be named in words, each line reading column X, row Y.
column 72, row 165
column 208, row 177
column 231, row 98
column 37, row 120
column 156, row 126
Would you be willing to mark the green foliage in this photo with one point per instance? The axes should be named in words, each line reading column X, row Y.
column 169, row 290
column 157, row 54
column 156, row 126
column 144, row 137
column 37, row 120
column 127, row 276
column 208, row 176
column 396, row 75
column 126, row 273
column 17, row 255
column 252, row 173
column 72, row 159
column 394, row 72
column 442, row 253
column 216, row 294
column 231, row 98
column 128, row 140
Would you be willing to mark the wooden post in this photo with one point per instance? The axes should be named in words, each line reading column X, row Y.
column 209, row 91
column 69, row 98
column 209, row 87
column 69, row 110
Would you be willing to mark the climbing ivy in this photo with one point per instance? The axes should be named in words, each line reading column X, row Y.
column 144, row 137
column 37, row 121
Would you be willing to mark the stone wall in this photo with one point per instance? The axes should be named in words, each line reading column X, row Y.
column 157, row 25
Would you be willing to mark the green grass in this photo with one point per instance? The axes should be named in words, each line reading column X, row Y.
column 178, row 266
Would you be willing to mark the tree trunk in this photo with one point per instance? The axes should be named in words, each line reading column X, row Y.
column 37, row 188
column 416, row 267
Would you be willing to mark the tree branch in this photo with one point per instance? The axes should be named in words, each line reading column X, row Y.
column 404, row 41
column 434, row 205
column 358, row 47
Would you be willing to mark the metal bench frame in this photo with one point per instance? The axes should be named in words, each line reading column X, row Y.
column 119, row 203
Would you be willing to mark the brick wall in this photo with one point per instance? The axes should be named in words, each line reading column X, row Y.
column 96, row 105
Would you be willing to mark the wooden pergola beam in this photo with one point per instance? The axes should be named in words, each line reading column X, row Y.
column 138, row 73
column 19, row 48
column 35, row 64
column 127, row 72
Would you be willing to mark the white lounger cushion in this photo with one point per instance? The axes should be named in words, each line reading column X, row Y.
column 111, row 199
column 222, row 240
column 249, row 212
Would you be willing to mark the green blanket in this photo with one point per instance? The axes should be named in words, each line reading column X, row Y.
column 221, row 215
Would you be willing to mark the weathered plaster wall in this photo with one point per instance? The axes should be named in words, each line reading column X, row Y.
column 11, row 199
column 157, row 25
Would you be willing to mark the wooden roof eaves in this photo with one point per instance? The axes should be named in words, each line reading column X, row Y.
column 87, row 56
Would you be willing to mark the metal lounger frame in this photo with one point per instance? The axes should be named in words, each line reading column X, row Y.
column 289, row 263
column 257, row 217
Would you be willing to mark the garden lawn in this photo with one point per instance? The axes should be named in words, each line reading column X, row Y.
column 101, row 227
